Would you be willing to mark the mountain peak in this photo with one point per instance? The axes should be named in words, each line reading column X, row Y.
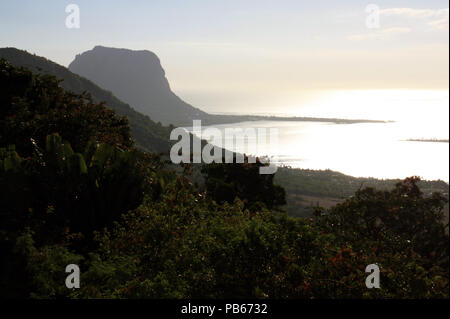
column 119, row 54
column 137, row 78
column 112, row 50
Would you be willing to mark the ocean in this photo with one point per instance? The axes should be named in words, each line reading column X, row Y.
column 415, row 143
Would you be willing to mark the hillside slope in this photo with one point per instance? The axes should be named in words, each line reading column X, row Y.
column 148, row 135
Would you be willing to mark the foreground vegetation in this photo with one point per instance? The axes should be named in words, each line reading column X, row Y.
column 76, row 193
column 307, row 189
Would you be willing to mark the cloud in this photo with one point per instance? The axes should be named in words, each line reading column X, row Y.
column 415, row 13
column 441, row 24
column 379, row 34
column 437, row 19
column 203, row 44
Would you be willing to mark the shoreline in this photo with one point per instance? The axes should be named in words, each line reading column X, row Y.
column 218, row 119
column 426, row 140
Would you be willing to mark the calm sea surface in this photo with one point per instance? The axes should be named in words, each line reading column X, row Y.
column 369, row 150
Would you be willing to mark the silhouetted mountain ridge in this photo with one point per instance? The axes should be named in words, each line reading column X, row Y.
column 137, row 78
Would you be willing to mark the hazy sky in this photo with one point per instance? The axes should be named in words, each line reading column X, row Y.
column 250, row 49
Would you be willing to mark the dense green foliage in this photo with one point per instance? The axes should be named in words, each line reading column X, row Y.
column 185, row 246
column 58, row 193
column 55, row 187
column 139, row 229
column 401, row 230
column 34, row 106
column 226, row 182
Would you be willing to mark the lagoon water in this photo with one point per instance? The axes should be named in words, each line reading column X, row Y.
column 379, row 150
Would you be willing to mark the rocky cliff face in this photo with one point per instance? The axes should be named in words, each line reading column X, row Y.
column 137, row 78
